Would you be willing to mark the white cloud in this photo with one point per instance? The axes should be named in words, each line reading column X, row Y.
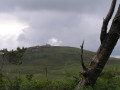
column 10, row 29
column 117, row 57
column 54, row 41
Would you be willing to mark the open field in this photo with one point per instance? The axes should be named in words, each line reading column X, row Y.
column 58, row 60
column 52, row 67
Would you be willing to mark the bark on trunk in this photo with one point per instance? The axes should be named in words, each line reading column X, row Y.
column 99, row 60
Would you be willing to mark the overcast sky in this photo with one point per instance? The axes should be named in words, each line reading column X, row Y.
column 56, row 22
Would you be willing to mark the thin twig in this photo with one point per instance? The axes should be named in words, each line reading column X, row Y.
column 83, row 66
column 74, row 76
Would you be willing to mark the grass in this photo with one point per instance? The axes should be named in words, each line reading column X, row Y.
column 108, row 80
column 58, row 60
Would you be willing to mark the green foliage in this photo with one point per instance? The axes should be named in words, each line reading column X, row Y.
column 108, row 84
column 14, row 56
column 29, row 77
column 108, row 80
column 15, row 84
column 68, row 84
column 20, row 83
column 107, row 74
column 2, row 81
column 60, row 62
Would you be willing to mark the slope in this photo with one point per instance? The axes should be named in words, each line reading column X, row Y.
column 57, row 59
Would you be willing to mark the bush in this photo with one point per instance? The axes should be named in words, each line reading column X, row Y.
column 29, row 77
column 107, row 74
column 2, row 81
column 108, row 80
column 15, row 84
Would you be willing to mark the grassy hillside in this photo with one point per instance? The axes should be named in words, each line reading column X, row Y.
column 59, row 60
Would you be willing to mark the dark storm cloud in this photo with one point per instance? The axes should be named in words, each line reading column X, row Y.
column 68, row 27
column 67, row 21
column 58, row 5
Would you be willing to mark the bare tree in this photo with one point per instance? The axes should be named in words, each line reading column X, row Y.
column 108, row 42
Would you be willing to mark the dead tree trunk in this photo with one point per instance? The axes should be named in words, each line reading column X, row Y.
column 108, row 42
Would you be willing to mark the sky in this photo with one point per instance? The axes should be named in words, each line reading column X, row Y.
column 57, row 22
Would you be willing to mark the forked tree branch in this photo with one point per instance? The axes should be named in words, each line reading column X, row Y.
column 106, row 21
column 83, row 66
column 98, row 61
column 117, row 17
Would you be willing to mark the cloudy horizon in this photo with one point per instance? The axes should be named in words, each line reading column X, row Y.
column 62, row 23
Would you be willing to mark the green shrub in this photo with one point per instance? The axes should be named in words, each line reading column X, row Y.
column 29, row 77
column 108, row 80
column 15, row 84
column 107, row 74
column 2, row 81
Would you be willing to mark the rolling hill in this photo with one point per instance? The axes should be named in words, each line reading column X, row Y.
column 57, row 59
